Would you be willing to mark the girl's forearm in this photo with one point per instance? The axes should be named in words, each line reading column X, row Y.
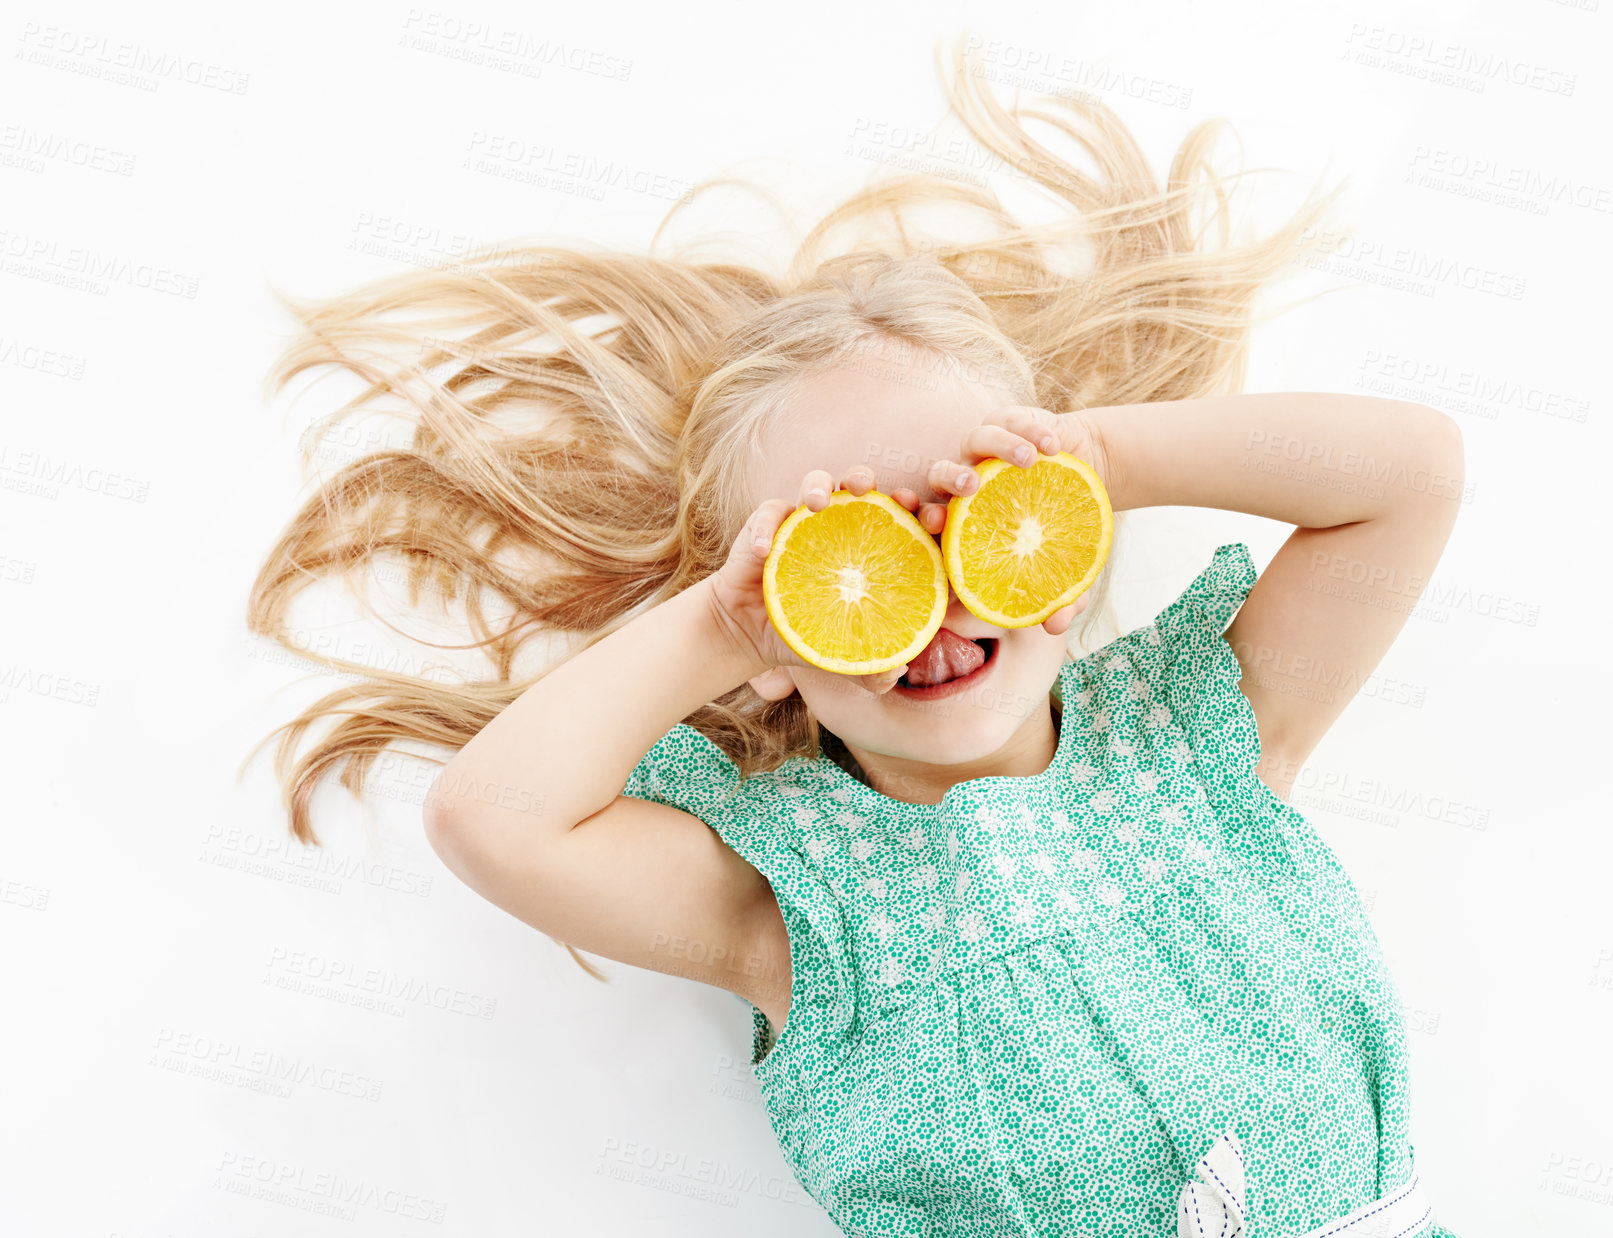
column 563, row 749
column 1312, row 459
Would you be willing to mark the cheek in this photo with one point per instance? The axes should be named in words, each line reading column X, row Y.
column 832, row 698
column 1034, row 658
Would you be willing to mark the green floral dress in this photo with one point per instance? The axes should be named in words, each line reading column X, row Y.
column 1134, row 995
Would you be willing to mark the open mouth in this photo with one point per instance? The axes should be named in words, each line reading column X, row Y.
column 947, row 668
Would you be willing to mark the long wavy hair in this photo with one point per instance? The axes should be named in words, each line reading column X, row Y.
column 581, row 421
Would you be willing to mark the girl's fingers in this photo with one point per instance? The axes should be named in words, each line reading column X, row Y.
column 859, row 479
column 999, row 441
column 960, row 477
column 951, row 477
column 816, row 487
column 932, row 517
column 882, row 683
column 763, row 524
column 1015, row 433
column 1059, row 621
column 1034, row 425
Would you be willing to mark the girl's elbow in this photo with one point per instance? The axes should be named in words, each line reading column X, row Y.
column 442, row 822
column 1441, row 437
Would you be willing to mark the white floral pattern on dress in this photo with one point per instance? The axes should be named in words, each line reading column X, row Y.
column 971, row 926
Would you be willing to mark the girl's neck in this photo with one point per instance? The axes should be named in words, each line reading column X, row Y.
column 1028, row 752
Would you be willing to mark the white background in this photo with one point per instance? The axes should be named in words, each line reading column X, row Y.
column 151, row 913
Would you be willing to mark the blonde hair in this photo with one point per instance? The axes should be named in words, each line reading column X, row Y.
column 581, row 421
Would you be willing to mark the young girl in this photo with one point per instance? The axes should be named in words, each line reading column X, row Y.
column 1033, row 943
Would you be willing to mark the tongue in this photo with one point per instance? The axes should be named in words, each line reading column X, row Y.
column 948, row 656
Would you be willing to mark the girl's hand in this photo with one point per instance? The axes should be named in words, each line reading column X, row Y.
column 1019, row 434
column 736, row 587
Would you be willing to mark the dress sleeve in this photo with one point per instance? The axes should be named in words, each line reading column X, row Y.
column 1194, row 674
column 687, row 770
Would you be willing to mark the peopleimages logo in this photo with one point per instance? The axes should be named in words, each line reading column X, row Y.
column 1401, row 267
column 319, row 975
column 257, row 1069
column 49, row 470
column 33, row 148
column 318, row 1191
column 121, row 61
column 88, row 270
column 497, row 47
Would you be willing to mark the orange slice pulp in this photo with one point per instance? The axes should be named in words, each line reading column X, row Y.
column 1027, row 541
column 857, row 588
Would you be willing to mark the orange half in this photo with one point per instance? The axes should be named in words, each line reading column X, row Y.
column 1028, row 540
column 857, row 588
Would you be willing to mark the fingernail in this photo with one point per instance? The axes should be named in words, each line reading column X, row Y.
column 761, row 543
column 816, row 494
column 963, row 481
column 1024, row 454
column 1050, row 445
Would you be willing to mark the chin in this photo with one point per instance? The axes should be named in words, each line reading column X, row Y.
column 955, row 732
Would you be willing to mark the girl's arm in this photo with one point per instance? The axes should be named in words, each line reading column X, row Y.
column 530, row 814
column 1374, row 486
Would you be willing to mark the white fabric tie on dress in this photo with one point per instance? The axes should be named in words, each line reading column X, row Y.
column 1212, row 1206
